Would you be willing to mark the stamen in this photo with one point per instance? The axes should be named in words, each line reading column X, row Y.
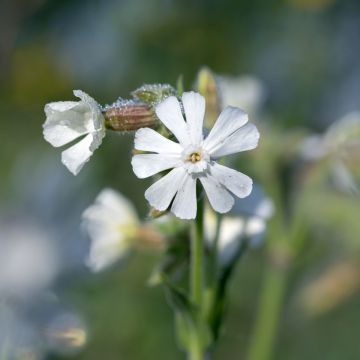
column 195, row 157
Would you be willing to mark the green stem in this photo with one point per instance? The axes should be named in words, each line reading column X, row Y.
column 271, row 300
column 197, row 257
column 196, row 351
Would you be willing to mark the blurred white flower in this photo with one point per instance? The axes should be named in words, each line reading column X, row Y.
column 194, row 157
column 32, row 327
column 245, row 92
column 340, row 141
column 65, row 333
column 111, row 223
column 28, row 260
column 69, row 120
column 247, row 220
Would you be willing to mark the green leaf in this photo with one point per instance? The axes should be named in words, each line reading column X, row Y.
column 188, row 322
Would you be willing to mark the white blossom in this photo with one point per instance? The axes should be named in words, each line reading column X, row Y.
column 194, row 157
column 246, row 92
column 111, row 224
column 247, row 220
column 340, row 142
column 29, row 260
column 67, row 121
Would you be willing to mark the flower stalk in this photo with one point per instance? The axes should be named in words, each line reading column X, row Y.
column 266, row 326
column 196, row 351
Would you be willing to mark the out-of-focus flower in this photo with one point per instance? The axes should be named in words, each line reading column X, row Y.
column 245, row 92
column 65, row 333
column 31, row 328
column 339, row 143
column 115, row 229
column 111, row 223
column 28, row 260
column 331, row 288
column 194, row 157
column 247, row 220
column 69, row 120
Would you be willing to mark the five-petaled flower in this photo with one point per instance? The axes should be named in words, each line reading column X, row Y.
column 194, row 157
column 69, row 120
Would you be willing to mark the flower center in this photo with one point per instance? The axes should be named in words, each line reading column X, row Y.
column 195, row 157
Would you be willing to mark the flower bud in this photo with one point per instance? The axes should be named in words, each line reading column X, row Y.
column 153, row 93
column 206, row 85
column 129, row 115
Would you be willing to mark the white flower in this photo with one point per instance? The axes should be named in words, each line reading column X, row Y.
column 29, row 260
column 339, row 143
column 246, row 92
column 67, row 121
column 247, row 220
column 111, row 223
column 194, row 157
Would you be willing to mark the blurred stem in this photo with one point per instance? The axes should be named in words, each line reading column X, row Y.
column 271, row 300
column 197, row 279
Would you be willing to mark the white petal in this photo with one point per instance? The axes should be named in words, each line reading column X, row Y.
column 246, row 138
column 147, row 139
column 185, row 202
column 61, row 106
column 194, row 107
column 145, row 165
column 230, row 237
column 96, row 115
column 219, row 198
column 111, row 207
column 229, row 121
column 77, row 155
column 160, row 194
column 65, row 122
column 169, row 112
column 235, row 181
column 107, row 249
column 97, row 138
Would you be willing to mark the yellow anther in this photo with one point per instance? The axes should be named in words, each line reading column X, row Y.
column 195, row 157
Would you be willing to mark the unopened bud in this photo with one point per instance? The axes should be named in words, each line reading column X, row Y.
column 129, row 115
column 206, row 85
column 153, row 93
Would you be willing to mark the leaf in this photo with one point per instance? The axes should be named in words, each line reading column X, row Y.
column 188, row 322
